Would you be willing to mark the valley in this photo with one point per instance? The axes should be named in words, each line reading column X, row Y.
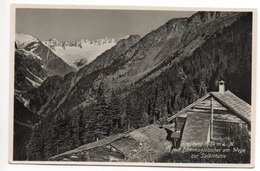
column 128, row 83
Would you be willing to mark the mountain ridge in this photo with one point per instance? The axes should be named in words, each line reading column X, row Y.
column 151, row 78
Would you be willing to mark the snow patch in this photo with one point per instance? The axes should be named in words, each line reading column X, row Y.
column 24, row 101
column 39, row 79
column 30, row 54
column 34, row 83
column 34, row 47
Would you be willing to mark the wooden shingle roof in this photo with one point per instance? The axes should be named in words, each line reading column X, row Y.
column 234, row 104
column 138, row 145
column 92, row 145
column 228, row 100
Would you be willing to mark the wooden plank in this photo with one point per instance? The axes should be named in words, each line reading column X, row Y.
column 206, row 103
column 222, row 134
column 221, row 131
column 222, row 112
column 244, row 129
column 188, row 107
column 227, row 118
column 176, row 134
column 219, row 127
column 220, row 123
column 197, row 110
column 181, row 119
column 211, row 118
column 207, row 108
column 183, row 115
column 180, row 123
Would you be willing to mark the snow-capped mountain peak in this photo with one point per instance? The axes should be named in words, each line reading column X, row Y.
column 83, row 50
column 22, row 40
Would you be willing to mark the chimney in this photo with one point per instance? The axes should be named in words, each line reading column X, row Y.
column 221, row 87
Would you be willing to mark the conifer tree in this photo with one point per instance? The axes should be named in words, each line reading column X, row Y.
column 103, row 119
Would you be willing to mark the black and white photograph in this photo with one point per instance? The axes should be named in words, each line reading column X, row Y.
column 132, row 86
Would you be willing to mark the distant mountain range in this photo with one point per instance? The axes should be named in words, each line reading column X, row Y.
column 82, row 52
column 36, row 60
column 76, row 54
column 140, row 80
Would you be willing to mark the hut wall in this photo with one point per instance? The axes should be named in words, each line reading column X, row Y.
column 228, row 130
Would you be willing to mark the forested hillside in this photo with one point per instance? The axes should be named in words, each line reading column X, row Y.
column 144, row 81
column 24, row 121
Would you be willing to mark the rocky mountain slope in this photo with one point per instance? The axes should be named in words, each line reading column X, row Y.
column 34, row 62
column 28, row 72
column 144, row 81
column 33, row 48
column 82, row 52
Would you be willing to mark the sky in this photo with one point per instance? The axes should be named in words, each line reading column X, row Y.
column 75, row 24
